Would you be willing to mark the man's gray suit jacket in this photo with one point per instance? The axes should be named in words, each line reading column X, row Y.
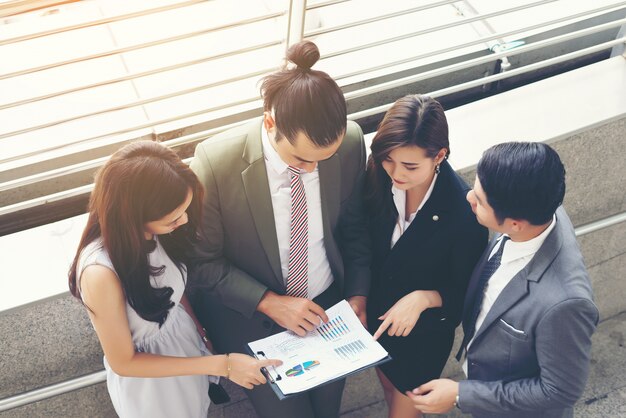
column 238, row 260
column 530, row 357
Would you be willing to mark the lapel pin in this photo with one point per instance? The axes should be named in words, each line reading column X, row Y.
column 435, row 217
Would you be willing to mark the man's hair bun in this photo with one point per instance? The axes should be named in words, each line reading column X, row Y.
column 304, row 54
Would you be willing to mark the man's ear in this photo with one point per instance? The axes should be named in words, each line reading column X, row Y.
column 268, row 122
column 518, row 225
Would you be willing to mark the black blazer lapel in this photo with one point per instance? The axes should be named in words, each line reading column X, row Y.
column 432, row 217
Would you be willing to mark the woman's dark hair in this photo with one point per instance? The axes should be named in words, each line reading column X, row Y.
column 412, row 120
column 305, row 100
column 522, row 180
column 142, row 182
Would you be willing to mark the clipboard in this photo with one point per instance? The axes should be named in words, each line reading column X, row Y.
column 332, row 351
column 273, row 376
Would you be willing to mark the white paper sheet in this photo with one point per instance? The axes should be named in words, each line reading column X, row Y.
column 336, row 348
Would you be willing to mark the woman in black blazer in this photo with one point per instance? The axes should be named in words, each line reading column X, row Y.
column 426, row 241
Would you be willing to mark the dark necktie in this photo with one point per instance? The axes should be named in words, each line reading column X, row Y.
column 469, row 327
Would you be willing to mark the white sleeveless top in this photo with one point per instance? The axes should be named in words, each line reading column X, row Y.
column 181, row 396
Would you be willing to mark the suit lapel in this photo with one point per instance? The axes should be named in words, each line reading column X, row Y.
column 518, row 287
column 432, row 216
column 511, row 294
column 330, row 195
column 470, row 295
column 257, row 191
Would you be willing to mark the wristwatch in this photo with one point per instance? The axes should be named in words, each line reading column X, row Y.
column 456, row 402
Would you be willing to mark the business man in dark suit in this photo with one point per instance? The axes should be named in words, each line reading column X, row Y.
column 529, row 313
column 284, row 229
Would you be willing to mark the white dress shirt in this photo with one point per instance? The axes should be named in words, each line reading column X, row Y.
column 515, row 257
column 399, row 198
column 320, row 274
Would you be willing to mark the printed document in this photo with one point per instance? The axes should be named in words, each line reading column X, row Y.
column 332, row 350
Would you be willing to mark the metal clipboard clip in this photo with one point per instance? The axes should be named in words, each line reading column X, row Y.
column 265, row 371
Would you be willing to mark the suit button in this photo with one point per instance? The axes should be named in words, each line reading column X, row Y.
column 267, row 324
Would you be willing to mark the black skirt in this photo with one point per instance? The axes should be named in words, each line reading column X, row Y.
column 420, row 356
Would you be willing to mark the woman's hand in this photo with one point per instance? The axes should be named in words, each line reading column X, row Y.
column 403, row 315
column 246, row 370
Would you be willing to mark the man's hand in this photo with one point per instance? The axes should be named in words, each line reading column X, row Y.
column 357, row 303
column 435, row 397
column 295, row 314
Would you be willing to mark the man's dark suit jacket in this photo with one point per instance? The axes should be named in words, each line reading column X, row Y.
column 437, row 252
column 238, row 260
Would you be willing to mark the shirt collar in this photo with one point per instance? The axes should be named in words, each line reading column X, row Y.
column 399, row 197
column 515, row 250
column 272, row 158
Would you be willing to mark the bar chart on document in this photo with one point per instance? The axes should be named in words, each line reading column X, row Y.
column 336, row 348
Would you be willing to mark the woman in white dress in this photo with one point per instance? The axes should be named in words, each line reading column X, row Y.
column 130, row 273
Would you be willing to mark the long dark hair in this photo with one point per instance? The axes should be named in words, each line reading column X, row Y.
column 305, row 100
column 142, row 182
column 412, row 120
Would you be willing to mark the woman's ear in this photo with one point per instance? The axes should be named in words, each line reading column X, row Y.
column 441, row 155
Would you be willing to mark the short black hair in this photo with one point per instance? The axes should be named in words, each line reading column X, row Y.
column 522, row 180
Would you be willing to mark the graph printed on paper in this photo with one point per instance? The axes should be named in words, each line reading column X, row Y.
column 334, row 329
column 351, row 350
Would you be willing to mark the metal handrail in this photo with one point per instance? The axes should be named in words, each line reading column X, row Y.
column 54, row 197
column 435, row 28
column 482, row 40
column 601, row 224
column 351, row 95
column 100, row 376
column 145, row 45
column 500, row 76
column 325, row 4
column 148, row 101
column 52, row 390
column 77, row 191
column 295, row 22
column 339, row 77
column 321, row 31
column 97, row 162
column 180, row 117
column 149, row 124
column 394, row 83
column 482, row 60
column 357, row 115
column 97, row 22
column 134, row 76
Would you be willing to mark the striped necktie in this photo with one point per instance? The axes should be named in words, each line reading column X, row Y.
column 297, row 276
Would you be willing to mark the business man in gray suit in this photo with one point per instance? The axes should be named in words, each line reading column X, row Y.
column 284, row 225
column 529, row 314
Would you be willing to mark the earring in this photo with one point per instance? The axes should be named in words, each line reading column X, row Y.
column 437, row 168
